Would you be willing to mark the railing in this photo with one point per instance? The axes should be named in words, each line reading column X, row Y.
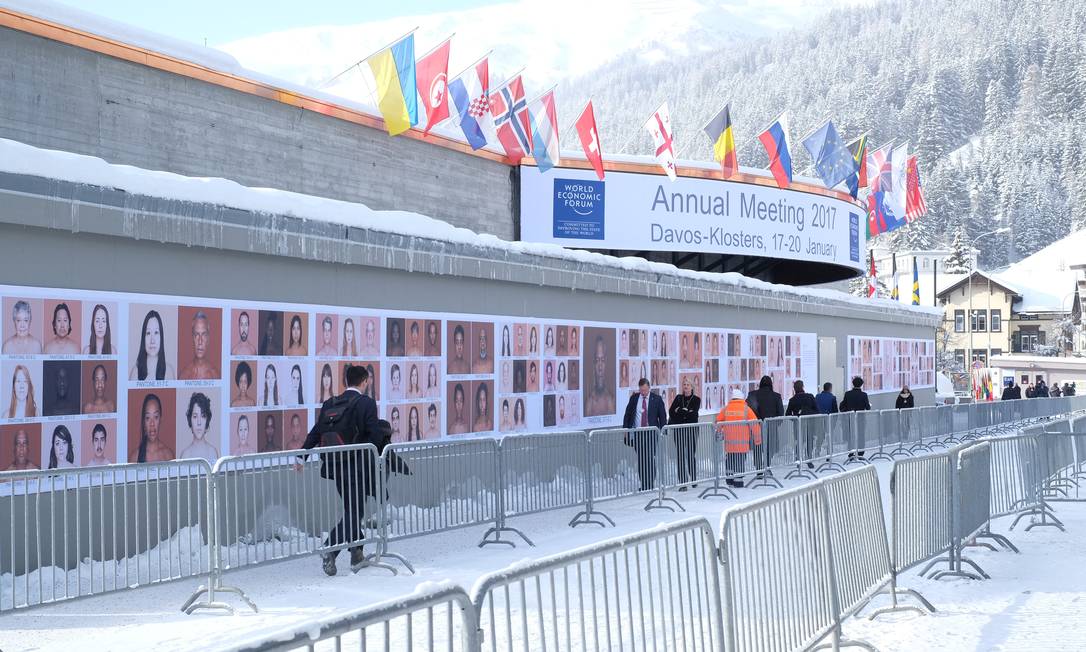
column 149, row 523
column 435, row 619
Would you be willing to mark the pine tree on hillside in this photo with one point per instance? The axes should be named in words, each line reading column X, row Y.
column 960, row 260
column 996, row 105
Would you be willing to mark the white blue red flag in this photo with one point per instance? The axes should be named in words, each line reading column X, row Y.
column 775, row 141
column 659, row 125
column 470, row 93
column 897, row 193
column 510, row 111
column 545, row 131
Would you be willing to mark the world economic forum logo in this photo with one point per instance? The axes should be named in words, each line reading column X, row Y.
column 578, row 209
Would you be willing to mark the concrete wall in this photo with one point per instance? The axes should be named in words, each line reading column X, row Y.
column 57, row 96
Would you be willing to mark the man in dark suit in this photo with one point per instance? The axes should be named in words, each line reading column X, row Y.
column 350, row 418
column 855, row 400
column 644, row 410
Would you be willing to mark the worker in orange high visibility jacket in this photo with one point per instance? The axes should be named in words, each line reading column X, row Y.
column 737, row 437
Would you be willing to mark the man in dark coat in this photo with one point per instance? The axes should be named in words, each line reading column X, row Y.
column 1041, row 390
column 350, row 470
column 1008, row 392
column 855, row 400
column 802, row 404
column 644, row 410
column 767, row 404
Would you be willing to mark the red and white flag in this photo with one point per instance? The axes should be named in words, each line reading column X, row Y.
column 916, row 206
column 431, row 79
column 590, row 139
column 872, row 279
column 511, row 119
column 659, row 125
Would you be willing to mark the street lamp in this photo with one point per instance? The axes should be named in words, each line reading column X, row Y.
column 972, row 269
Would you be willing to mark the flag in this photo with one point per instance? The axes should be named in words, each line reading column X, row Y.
column 876, row 217
column 432, row 76
column 775, row 141
column 470, row 92
column 722, row 135
column 832, row 160
column 858, row 149
column 896, row 196
column 915, row 205
column 659, row 125
column 545, row 131
column 916, row 284
column 876, row 161
column 394, row 70
column 893, row 273
column 590, row 140
column 872, row 287
column 510, row 111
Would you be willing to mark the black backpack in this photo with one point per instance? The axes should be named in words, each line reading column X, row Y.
column 336, row 420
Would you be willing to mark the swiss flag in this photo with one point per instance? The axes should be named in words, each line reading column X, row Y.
column 431, row 79
column 590, row 139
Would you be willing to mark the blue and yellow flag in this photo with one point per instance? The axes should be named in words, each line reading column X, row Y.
column 916, row 284
column 893, row 274
column 394, row 70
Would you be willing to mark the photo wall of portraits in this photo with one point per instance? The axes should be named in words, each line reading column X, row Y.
column 887, row 364
column 92, row 378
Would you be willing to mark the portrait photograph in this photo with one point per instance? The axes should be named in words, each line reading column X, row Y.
column 61, row 445
column 152, row 342
column 295, row 429
column 270, row 333
column 98, row 386
column 548, row 340
column 520, row 376
column 482, row 406
column 415, row 331
column 533, row 376
column 734, row 347
column 99, row 335
column 433, row 338
column 599, row 362
column 395, row 384
column 327, row 383
column 327, row 335
column 296, row 334
column 549, row 410
column 199, row 343
column 244, row 331
column 482, row 347
column 414, row 379
column 505, row 378
column 20, row 447
column 395, row 346
column 22, row 326
column 152, row 418
column 369, row 333
column 520, row 339
column 458, row 407
column 243, row 389
column 21, row 389
column 458, row 358
column 432, row 423
column 269, row 431
column 198, row 424
column 573, row 380
column 61, row 381
column 243, row 433
column 63, row 329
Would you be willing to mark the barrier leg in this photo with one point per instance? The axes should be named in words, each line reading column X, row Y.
column 1000, row 539
column 717, row 491
column 214, row 576
column 497, row 532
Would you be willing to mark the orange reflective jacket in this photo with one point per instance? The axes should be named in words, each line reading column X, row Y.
column 737, row 437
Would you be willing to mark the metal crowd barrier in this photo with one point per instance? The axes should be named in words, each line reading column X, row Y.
column 72, row 533
column 1017, row 476
column 623, row 462
column 971, row 489
column 542, row 472
column 688, row 455
column 921, row 509
column 440, row 618
column 778, row 595
column 653, row 590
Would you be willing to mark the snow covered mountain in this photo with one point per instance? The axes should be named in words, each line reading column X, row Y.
column 552, row 40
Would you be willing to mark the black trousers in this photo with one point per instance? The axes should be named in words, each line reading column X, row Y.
column 735, row 463
column 348, row 529
column 645, row 445
column 686, row 449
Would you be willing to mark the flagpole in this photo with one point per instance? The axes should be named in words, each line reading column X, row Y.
column 573, row 126
column 692, row 141
column 542, row 94
column 459, row 116
column 820, row 125
column 368, row 57
column 431, row 50
column 508, row 79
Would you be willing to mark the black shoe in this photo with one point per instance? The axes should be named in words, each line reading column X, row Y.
column 810, row 465
column 682, row 488
column 358, row 559
column 328, row 563
column 738, row 484
column 729, row 482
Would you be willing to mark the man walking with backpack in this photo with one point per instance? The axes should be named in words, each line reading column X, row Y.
column 350, row 418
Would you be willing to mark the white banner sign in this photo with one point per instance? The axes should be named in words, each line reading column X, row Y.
column 647, row 212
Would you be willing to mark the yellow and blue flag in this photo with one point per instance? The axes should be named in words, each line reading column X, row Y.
column 916, row 284
column 394, row 70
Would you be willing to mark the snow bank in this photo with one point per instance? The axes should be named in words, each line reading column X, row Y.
column 19, row 158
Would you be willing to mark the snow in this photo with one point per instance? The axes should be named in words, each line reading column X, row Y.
column 1045, row 280
column 1022, row 607
column 19, row 158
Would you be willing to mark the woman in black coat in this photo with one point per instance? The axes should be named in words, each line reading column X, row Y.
column 684, row 410
column 904, row 399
